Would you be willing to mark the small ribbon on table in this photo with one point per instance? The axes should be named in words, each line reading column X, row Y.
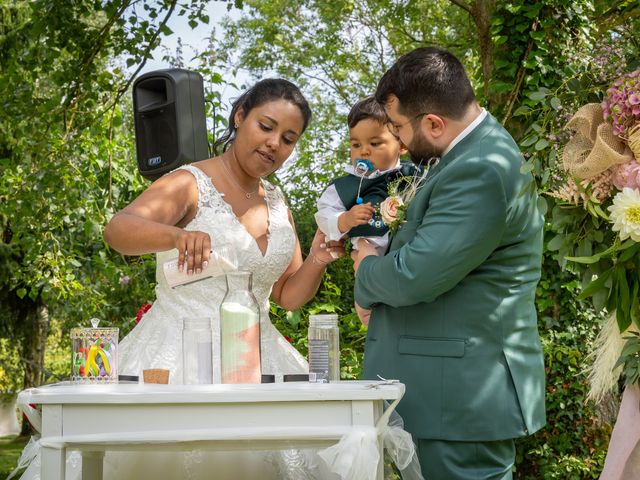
column 356, row 455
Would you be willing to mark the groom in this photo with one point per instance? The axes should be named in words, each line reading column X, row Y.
column 453, row 299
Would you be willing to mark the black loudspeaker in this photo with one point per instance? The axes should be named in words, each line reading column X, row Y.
column 169, row 119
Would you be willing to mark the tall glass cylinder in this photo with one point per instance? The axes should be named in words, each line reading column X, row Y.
column 197, row 351
column 324, row 348
column 240, row 331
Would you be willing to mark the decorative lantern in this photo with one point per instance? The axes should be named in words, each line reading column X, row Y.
column 94, row 354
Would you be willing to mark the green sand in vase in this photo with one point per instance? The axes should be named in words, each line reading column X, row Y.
column 239, row 344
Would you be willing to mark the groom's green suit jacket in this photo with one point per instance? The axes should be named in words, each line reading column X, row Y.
column 453, row 299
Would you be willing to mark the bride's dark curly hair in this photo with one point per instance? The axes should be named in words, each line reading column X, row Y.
column 264, row 91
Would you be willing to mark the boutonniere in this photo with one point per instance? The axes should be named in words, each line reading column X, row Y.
column 393, row 209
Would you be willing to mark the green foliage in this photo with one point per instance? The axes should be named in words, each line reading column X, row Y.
column 10, row 368
column 571, row 445
column 10, row 450
column 66, row 157
column 532, row 42
column 583, row 241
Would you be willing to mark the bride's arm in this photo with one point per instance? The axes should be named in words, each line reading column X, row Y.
column 300, row 282
column 152, row 222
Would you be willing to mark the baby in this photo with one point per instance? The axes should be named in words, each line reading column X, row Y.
column 348, row 206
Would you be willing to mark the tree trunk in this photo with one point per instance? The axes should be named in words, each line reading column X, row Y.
column 481, row 12
column 36, row 329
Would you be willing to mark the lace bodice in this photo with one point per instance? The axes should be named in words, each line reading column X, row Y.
column 216, row 217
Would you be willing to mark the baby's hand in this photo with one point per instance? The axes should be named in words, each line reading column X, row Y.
column 357, row 215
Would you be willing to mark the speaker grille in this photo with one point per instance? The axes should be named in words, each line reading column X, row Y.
column 158, row 139
column 169, row 120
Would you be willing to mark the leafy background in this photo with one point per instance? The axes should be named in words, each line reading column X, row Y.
column 67, row 159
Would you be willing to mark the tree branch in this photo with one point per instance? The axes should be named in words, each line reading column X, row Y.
column 156, row 34
column 463, row 5
column 72, row 99
column 515, row 93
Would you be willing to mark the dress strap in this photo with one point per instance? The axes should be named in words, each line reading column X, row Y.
column 203, row 182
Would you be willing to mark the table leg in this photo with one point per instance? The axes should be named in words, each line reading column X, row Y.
column 52, row 466
column 367, row 413
column 92, row 465
column 378, row 410
column 53, row 463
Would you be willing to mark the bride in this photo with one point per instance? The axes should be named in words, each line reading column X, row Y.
column 222, row 200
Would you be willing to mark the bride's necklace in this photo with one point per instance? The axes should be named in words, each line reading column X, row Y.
column 247, row 194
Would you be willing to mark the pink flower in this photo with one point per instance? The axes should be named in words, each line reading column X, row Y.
column 621, row 106
column 626, row 175
column 389, row 208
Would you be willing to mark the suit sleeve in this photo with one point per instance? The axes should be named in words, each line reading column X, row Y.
column 461, row 227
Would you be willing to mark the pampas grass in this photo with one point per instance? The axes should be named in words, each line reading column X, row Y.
column 607, row 349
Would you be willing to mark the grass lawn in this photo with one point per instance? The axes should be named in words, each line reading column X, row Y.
column 10, row 450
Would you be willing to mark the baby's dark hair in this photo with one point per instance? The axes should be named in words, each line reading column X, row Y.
column 368, row 107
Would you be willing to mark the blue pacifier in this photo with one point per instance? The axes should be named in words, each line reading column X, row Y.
column 363, row 166
column 361, row 169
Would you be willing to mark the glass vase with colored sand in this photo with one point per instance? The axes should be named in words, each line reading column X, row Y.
column 240, row 331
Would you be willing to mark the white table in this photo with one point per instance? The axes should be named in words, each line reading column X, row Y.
column 96, row 418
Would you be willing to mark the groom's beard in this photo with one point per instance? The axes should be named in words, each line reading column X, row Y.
column 421, row 150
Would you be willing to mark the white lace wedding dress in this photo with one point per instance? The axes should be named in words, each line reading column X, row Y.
column 156, row 342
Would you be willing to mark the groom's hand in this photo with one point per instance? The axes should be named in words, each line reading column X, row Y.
column 363, row 314
column 364, row 250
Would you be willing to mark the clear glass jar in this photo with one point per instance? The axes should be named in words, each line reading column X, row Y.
column 94, row 354
column 324, row 348
column 197, row 352
column 240, row 331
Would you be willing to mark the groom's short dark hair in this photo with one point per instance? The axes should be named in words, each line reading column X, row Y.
column 427, row 79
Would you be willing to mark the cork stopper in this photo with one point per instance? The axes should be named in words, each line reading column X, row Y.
column 155, row 375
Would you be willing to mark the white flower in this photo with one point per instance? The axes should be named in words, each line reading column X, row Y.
column 625, row 214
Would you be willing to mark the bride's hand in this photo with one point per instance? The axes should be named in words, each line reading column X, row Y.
column 194, row 249
column 323, row 251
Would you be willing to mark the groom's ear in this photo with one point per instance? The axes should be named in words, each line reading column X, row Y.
column 433, row 124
